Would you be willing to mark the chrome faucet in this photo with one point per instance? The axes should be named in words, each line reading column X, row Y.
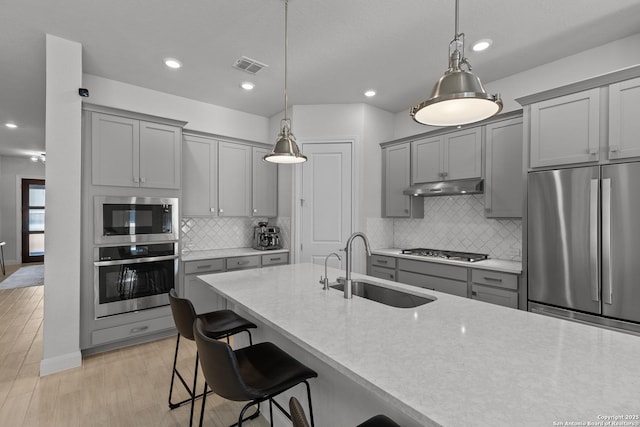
column 325, row 281
column 347, row 249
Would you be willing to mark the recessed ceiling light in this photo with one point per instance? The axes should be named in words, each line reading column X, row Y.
column 247, row 85
column 370, row 93
column 481, row 45
column 172, row 63
column 11, row 125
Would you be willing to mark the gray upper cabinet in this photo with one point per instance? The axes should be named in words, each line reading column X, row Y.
column 503, row 177
column 455, row 155
column 132, row 153
column 200, row 178
column 396, row 172
column 624, row 126
column 566, row 129
column 265, row 185
column 234, row 179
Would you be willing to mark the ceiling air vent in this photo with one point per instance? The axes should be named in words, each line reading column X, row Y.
column 249, row 65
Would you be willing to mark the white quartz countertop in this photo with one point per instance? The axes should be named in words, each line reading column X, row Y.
column 454, row 361
column 226, row 253
column 488, row 264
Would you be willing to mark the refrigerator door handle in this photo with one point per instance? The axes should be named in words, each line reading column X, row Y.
column 593, row 238
column 607, row 290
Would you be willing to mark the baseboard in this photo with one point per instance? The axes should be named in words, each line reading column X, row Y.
column 60, row 363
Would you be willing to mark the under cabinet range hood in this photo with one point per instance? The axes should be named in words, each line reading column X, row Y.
column 446, row 188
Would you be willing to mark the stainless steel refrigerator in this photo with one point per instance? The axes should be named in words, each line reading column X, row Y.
column 583, row 244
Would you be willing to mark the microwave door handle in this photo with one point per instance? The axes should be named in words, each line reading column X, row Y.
column 593, row 238
column 607, row 279
column 135, row 260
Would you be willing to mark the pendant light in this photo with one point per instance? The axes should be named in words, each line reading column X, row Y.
column 458, row 97
column 285, row 149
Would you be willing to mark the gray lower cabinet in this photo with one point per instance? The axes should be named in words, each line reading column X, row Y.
column 203, row 298
column 494, row 287
column 438, row 277
column 383, row 267
column 131, row 330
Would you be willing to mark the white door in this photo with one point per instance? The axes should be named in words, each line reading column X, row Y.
column 326, row 201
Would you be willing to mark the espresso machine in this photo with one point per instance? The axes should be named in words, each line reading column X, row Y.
column 266, row 237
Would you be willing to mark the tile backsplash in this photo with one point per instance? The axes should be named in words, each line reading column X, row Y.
column 454, row 223
column 226, row 232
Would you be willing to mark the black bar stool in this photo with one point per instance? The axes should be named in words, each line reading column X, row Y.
column 300, row 420
column 216, row 325
column 256, row 373
column 4, row 272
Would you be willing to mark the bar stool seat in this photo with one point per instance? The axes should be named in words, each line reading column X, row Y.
column 216, row 325
column 251, row 374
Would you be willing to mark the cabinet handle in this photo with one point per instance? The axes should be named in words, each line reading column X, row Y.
column 275, row 259
column 203, row 266
column 140, row 329
column 255, row 211
column 382, row 261
column 406, row 211
column 492, row 279
column 243, row 262
column 221, row 210
column 212, row 209
column 474, row 293
column 136, row 179
column 143, row 180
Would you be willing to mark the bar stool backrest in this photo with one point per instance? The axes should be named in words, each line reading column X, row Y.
column 183, row 314
column 297, row 413
column 220, row 367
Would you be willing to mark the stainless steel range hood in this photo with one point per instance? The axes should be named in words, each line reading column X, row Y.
column 446, row 188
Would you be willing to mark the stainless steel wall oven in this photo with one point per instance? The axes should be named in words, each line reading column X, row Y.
column 133, row 277
column 120, row 220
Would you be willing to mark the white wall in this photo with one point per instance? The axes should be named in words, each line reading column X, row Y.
column 590, row 63
column 61, row 339
column 200, row 116
column 12, row 170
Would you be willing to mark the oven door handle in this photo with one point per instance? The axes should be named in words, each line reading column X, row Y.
column 135, row 260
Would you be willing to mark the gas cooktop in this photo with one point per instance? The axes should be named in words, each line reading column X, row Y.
column 452, row 255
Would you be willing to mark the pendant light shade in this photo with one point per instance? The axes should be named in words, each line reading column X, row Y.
column 458, row 97
column 285, row 149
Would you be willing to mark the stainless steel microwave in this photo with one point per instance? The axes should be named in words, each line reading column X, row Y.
column 135, row 219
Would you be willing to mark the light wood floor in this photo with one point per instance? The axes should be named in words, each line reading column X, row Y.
column 125, row 387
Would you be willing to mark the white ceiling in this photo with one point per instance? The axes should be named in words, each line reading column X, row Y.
column 337, row 48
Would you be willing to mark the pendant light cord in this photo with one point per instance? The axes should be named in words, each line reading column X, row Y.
column 286, row 50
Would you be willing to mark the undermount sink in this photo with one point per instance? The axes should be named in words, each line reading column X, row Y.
column 384, row 295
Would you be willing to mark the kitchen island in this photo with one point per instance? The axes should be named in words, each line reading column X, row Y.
column 451, row 362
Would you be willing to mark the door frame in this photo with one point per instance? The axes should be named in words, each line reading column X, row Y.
column 18, row 228
column 296, row 225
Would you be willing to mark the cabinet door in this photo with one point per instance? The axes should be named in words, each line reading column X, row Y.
column 397, row 168
column 624, row 126
column 115, row 155
column 265, row 185
column 494, row 295
column 503, row 176
column 426, row 160
column 159, row 155
column 566, row 130
column 462, row 154
column 199, row 178
column 234, row 179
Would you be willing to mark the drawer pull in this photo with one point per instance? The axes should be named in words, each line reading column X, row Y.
column 140, row 329
column 275, row 259
column 382, row 261
column 203, row 266
column 492, row 279
column 243, row 262
column 474, row 293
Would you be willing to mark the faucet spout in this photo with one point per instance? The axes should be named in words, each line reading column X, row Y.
column 348, row 250
column 325, row 281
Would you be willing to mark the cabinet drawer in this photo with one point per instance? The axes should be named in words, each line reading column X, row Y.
column 275, row 259
column 453, row 287
column 131, row 330
column 492, row 295
column 495, row 278
column 383, row 273
column 433, row 269
column 383, row 261
column 243, row 262
column 204, row 266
